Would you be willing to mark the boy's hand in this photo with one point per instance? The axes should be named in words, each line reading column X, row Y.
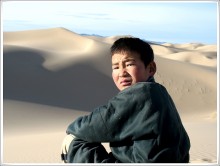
column 65, row 146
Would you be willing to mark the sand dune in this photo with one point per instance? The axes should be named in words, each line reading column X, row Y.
column 191, row 53
column 52, row 76
column 64, row 47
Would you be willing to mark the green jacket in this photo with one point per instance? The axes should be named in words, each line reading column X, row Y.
column 141, row 124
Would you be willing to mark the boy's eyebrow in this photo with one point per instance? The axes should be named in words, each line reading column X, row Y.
column 114, row 63
column 124, row 60
column 128, row 59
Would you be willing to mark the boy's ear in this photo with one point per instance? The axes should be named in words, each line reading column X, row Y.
column 153, row 68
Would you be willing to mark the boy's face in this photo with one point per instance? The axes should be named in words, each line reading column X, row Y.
column 128, row 69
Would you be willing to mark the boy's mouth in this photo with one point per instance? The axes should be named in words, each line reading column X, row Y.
column 125, row 82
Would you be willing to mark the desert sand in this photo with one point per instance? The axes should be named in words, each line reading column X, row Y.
column 52, row 76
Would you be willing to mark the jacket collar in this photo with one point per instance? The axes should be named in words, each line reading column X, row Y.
column 150, row 79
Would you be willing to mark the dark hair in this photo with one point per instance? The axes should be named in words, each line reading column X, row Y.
column 131, row 44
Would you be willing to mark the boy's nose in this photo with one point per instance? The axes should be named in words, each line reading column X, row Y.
column 122, row 72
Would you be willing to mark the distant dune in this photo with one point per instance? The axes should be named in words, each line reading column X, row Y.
column 52, row 76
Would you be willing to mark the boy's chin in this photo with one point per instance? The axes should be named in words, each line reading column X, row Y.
column 124, row 87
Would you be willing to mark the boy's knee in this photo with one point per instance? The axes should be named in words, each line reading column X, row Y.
column 75, row 150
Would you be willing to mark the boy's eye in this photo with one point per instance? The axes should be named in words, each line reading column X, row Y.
column 115, row 67
column 130, row 64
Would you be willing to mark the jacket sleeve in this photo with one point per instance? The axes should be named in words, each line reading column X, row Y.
column 123, row 118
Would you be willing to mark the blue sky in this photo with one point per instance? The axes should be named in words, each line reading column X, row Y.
column 175, row 22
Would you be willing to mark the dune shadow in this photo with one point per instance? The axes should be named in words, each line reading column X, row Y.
column 79, row 86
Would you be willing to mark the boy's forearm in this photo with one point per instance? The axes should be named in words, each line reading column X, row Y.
column 90, row 128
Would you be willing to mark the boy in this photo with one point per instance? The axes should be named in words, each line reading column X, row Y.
column 141, row 122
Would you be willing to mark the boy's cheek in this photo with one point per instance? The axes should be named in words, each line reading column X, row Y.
column 114, row 76
column 114, row 79
column 116, row 82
